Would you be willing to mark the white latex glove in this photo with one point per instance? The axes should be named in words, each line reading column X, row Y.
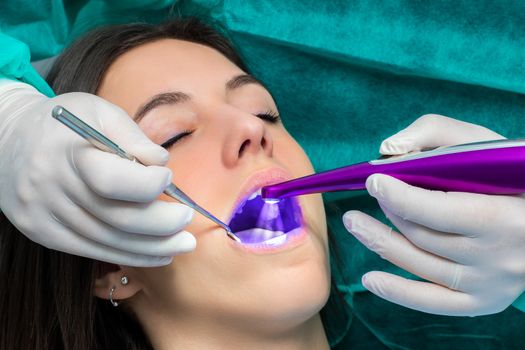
column 67, row 195
column 471, row 247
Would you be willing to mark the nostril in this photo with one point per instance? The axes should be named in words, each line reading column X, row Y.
column 263, row 142
column 243, row 147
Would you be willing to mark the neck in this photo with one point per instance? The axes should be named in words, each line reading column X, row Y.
column 207, row 333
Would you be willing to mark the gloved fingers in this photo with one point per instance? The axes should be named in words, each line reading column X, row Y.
column 121, row 129
column 72, row 243
column 469, row 214
column 433, row 130
column 394, row 247
column 158, row 218
column 421, row 296
column 117, row 178
column 84, row 224
column 451, row 246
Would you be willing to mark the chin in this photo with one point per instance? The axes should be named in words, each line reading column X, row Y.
column 305, row 296
column 291, row 294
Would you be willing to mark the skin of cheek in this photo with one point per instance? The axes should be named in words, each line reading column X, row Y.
column 216, row 279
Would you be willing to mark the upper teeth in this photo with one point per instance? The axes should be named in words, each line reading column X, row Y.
column 254, row 194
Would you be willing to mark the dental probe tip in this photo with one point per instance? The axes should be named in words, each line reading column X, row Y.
column 227, row 228
column 232, row 236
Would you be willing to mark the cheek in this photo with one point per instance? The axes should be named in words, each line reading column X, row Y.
column 190, row 162
column 291, row 155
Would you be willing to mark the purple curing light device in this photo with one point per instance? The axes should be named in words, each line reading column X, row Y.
column 492, row 167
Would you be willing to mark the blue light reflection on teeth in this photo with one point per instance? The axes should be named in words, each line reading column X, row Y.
column 258, row 235
column 276, row 241
column 267, row 239
column 256, row 221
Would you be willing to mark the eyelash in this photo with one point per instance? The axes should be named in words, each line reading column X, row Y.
column 269, row 116
column 176, row 138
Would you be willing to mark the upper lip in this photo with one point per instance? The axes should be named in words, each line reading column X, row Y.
column 257, row 180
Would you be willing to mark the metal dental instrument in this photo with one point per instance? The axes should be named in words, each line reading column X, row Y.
column 103, row 143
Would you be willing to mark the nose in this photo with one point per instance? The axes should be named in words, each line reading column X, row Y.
column 247, row 135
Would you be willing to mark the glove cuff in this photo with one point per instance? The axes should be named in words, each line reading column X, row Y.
column 15, row 96
column 7, row 84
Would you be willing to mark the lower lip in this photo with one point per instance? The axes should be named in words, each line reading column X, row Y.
column 296, row 238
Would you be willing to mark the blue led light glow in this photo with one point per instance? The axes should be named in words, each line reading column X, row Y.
column 257, row 220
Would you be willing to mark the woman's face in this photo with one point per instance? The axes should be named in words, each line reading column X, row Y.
column 226, row 152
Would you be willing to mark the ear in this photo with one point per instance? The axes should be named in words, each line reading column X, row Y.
column 110, row 279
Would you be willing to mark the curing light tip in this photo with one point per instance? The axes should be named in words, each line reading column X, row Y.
column 271, row 200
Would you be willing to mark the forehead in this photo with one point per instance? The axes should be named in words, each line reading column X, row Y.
column 164, row 65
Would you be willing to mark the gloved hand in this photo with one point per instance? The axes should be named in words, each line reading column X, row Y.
column 471, row 247
column 67, row 195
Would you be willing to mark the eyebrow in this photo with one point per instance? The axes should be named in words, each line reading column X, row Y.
column 241, row 80
column 174, row 97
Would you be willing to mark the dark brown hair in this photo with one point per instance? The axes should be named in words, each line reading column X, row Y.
column 46, row 296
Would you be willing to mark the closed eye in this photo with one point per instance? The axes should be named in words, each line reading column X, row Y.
column 176, row 138
column 269, row 116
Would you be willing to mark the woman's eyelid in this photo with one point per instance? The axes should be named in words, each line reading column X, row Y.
column 270, row 115
column 173, row 140
column 179, row 129
column 263, row 102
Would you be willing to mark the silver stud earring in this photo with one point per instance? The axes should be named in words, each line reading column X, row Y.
column 124, row 280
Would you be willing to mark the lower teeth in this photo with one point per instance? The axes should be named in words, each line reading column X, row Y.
column 276, row 240
column 258, row 236
column 261, row 236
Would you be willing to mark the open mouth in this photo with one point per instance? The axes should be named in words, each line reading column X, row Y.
column 257, row 222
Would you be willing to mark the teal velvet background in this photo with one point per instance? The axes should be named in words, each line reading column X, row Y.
column 346, row 75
